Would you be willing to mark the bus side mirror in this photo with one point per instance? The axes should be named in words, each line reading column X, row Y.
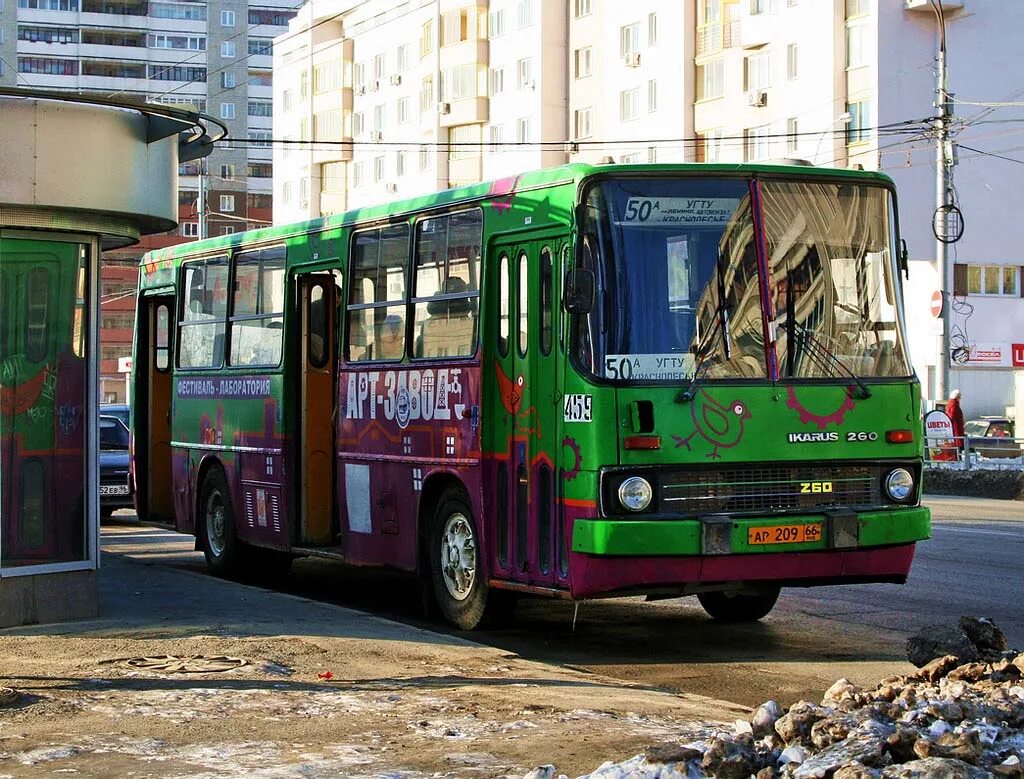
column 579, row 291
column 904, row 260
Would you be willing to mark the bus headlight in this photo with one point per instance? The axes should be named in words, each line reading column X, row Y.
column 635, row 493
column 899, row 484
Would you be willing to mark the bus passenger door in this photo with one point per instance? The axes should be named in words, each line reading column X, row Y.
column 316, row 411
column 152, row 439
column 524, row 418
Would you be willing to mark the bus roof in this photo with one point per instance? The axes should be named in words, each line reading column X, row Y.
column 564, row 174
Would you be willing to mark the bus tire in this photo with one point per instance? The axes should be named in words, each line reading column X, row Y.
column 739, row 607
column 456, row 573
column 220, row 546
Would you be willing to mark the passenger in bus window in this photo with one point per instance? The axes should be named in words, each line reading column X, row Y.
column 392, row 338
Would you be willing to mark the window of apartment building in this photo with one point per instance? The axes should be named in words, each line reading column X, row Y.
column 633, row 158
column 227, row 204
column 757, row 71
column 49, row 5
column 582, row 61
column 327, row 125
column 756, row 143
column 190, row 229
column 427, row 94
column 379, row 66
column 856, row 8
column 227, row 18
column 357, row 174
column 524, row 74
column 629, row 104
column 286, row 192
column 497, row 81
column 326, row 77
column 524, row 13
column 227, row 49
column 379, row 117
column 523, row 130
column 459, row 83
column 583, row 122
column 792, row 68
column 261, row 47
column 378, row 168
column 859, row 128
column 359, row 75
column 227, row 80
column 261, row 170
column 496, row 23
column 709, row 146
column 287, row 99
column 761, row 7
column 582, row 8
column 455, row 27
column 403, row 110
column 172, row 11
column 260, row 108
column 652, row 96
column 427, row 38
column 792, row 3
column 711, row 80
column 227, row 110
column 426, row 158
column 987, row 279
column 50, row 34
column 161, row 41
column 304, row 83
column 276, row 17
column 227, row 172
column 260, row 78
column 496, row 136
column 402, row 58
column 228, row 230
column 856, row 45
column 464, row 141
column 51, row 67
column 792, row 134
column 652, row 154
column 358, row 123
column 259, row 200
column 652, row 29
column 260, row 138
column 176, row 73
column 332, row 177
column 629, row 39
column 400, row 163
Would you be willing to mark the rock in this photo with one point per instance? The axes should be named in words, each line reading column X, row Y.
column 672, row 753
column 936, row 669
column 934, row 768
column 768, row 772
column 900, row 744
column 984, row 634
column 1011, row 767
column 1019, row 662
column 731, row 758
column 856, row 770
column 965, row 746
column 934, row 641
column 795, row 725
column 1004, row 670
column 762, row 722
column 971, row 672
column 841, row 690
column 864, row 745
column 542, row 772
column 831, row 729
column 793, row 754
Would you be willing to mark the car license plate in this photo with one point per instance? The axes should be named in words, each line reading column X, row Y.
column 784, row 534
column 113, row 489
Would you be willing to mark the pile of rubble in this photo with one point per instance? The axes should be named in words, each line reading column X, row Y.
column 960, row 716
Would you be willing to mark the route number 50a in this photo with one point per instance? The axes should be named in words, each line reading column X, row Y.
column 638, row 210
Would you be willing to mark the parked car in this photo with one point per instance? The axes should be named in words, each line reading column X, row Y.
column 119, row 410
column 115, row 491
column 991, row 437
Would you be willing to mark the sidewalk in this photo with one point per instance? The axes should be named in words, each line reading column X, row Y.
column 324, row 691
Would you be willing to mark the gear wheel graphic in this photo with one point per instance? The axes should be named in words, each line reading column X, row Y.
column 821, row 420
column 573, row 472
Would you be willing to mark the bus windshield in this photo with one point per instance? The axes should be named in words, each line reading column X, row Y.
column 679, row 287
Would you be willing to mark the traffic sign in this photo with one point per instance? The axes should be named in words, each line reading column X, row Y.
column 936, row 304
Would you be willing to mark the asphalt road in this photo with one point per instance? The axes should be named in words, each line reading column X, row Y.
column 971, row 566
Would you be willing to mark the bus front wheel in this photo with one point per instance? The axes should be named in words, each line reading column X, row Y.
column 739, row 607
column 220, row 546
column 456, row 573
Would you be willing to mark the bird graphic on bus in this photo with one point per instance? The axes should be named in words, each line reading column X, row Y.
column 719, row 425
column 511, row 393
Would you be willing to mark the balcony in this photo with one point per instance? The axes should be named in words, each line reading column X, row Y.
column 471, row 52
column 474, row 110
column 713, row 38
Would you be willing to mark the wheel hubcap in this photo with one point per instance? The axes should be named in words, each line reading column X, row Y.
column 458, row 556
column 215, row 525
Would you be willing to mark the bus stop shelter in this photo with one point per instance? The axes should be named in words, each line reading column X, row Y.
column 78, row 175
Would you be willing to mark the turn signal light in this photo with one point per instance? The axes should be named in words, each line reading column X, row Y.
column 642, row 442
column 899, row 436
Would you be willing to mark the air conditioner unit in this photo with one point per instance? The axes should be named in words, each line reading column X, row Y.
column 757, row 98
column 375, row 86
column 391, row 187
column 632, row 59
column 376, row 135
column 444, row 108
column 396, row 79
column 361, row 90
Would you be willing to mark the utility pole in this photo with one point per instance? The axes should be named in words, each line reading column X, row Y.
column 943, row 201
column 201, row 203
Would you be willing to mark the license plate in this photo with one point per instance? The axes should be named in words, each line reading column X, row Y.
column 113, row 489
column 784, row 534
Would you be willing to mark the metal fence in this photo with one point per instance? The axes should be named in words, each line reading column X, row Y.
column 968, row 452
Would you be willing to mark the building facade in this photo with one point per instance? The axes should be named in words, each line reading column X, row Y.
column 433, row 93
column 215, row 57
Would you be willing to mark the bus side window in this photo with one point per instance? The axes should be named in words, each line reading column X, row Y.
column 376, row 305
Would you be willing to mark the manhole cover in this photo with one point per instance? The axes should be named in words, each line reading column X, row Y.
column 8, row 695
column 195, row 664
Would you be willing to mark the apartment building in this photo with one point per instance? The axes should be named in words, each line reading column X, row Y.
column 442, row 92
column 215, row 57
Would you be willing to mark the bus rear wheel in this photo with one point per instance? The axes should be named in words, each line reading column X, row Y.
column 219, row 543
column 739, row 607
column 456, row 574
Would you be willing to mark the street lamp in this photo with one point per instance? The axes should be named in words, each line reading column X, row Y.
column 844, row 118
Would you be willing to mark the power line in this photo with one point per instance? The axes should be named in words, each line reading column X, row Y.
column 991, row 154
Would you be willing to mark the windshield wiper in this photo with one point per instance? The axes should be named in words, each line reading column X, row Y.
column 707, row 342
column 820, row 355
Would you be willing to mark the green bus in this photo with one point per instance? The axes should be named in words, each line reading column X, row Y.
column 581, row 382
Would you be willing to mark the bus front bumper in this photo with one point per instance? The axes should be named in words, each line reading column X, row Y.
column 615, row 556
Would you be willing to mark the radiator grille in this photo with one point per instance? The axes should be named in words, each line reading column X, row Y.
column 770, row 488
